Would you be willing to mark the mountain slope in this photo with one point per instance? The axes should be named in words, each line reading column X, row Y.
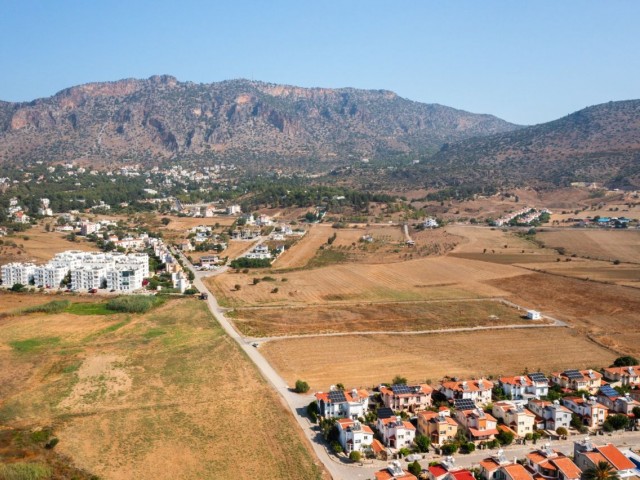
column 238, row 119
column 597, row 144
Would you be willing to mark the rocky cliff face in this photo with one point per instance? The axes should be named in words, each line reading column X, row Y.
column 241, row 120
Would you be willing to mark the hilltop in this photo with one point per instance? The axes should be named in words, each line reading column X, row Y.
column 240, row 120
column 597, row 144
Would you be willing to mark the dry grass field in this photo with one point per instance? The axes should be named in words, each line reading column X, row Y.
column 182, row 224
column 412, row 316
column 368, row 360
column 37, row 245
column 161, row 395
column 623, row 245
column 609, row 313
column 305, row 249
column 431, row 278
column 607, row 272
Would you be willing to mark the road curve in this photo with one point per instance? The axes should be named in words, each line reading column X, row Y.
column 296, row 403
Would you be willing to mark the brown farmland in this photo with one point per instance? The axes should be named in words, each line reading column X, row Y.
column 367, row 360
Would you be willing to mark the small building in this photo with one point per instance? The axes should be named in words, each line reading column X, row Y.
column 354, row 437
column 395, row 432
column 438, row 426
column 516, row 417
column 622, row 376
column 478, row 425
column 588, row 380
column 477, row 390
column 550, row 415
column 552, row 465
column 591, row 413
column 343, row 404
column 533, row 315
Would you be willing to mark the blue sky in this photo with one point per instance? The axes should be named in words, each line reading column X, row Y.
column 526, row 62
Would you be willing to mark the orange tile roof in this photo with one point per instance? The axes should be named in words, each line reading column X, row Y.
column 428, row 415
column 377, row 446
column 385, row 475
column 517, row 472
column 482, row 433
column 517, row 380
column 616, row 457
column 567, row 467
column 536, row 457
column 408, row 426
column 489, row 464
column 595, row 457
column 367, row 429
column 472, row 385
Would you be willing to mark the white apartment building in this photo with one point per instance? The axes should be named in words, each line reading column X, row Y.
column 88, row 270
column 88, row 277
column 13, row 273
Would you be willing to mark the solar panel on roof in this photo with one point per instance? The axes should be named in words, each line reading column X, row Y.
column 464, row 404
column 337, row 396
column 385, row 412
column 573, row 374
column 400, row 389
column 538, row 377
column 609, row 391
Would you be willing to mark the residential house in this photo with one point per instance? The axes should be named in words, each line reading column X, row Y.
column 622, row 376
column 209, row 260
column 406, row 397
column 438, row 426
column 516, row 417
column 343, row 404
column 550, row 415
column 14, row 273
column 617, row 402
column 515, row 388
column 395, row 432
column 587, row 380
column 592, row 413
column 477, row 390
column 548, row 464
column 394, row 471
column 587, row 455
column 478, row 425
column 490, row 467
column 353, row 436
column 186, row 246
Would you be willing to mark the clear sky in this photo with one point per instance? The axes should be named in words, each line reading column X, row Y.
column 524, row 61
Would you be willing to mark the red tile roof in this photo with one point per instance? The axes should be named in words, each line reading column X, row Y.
column 438, row 471
column 615, row 457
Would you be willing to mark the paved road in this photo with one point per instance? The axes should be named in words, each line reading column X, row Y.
column 342, row 469
column 296, row 403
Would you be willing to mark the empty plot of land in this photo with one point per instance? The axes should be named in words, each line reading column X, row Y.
column 182, row 224
column 622, row 274
column 609, row 313
column 305, row 249
column 484, row 239
column 431, row 278
column 37, row 245
column 148, row 396
column 266, row 322
column 367, row 360
column 623, row 245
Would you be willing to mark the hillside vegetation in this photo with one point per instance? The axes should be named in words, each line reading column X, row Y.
column 598, row 144
column 237, row 119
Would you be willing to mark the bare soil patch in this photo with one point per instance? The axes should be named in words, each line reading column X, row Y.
column 410, row 316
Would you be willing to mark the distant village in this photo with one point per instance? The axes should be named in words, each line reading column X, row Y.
column 464, row 415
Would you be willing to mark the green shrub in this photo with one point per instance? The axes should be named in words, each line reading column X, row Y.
column 355, row 456
column 133, row 303
column 55, row 306
column 301, row 386
column 24, row 471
